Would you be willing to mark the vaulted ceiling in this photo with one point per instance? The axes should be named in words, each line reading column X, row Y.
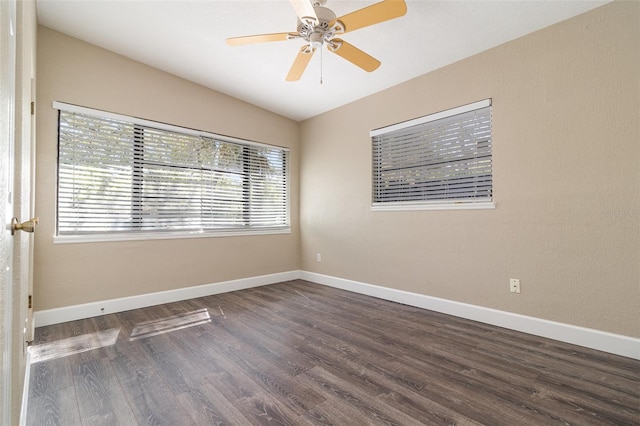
column 187, row 38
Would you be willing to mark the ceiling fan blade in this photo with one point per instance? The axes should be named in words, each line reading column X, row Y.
column 260, row 38
column 305, row 11
column 374, row 14
column 300, row 64
column 353, row 55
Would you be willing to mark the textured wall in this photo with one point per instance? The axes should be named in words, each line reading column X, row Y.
column 566, row 135
column 566, row 180
column 72, row 71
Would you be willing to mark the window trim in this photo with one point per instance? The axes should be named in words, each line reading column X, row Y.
column 176, row 234
column 458, row 205
column 434, row 204
column 157, row 124
column 168, row 235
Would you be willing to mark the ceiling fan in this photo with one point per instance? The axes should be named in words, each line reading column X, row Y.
column 318, row 25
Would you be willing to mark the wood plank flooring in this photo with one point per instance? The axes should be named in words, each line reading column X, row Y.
column 297, row 353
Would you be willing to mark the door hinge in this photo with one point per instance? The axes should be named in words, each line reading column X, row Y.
column 33, row 108
column 30, row 302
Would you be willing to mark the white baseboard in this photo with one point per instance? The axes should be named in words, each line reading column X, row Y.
column 581, row 336
column 93, row 309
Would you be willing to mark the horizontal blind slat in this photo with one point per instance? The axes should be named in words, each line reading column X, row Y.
column 115, row 176
column 445, row 159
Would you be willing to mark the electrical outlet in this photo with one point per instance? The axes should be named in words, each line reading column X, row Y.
column 318, row 257
column 514, row 285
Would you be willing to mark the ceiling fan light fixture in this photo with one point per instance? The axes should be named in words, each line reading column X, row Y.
column 316, row 39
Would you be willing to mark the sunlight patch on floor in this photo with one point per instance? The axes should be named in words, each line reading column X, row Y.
column 167, row 325
column 73, row 345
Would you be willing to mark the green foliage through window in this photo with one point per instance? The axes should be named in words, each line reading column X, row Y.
column 116, row 176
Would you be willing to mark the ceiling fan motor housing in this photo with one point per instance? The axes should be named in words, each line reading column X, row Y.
column 325, row 16
column 322, row 31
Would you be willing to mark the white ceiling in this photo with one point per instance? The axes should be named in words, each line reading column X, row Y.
column 187, row 38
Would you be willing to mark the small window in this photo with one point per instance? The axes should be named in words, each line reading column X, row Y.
column 440, row 161
column 123, row 176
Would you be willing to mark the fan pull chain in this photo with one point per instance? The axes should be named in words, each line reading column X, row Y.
column 321, row 49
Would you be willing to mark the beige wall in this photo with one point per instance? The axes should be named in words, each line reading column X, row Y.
column 566, row 180
column 566, row 137
column 72, row 71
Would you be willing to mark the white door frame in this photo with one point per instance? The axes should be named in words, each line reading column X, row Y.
column 7, row 133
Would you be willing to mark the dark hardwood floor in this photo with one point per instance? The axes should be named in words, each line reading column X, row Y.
column 297, row 353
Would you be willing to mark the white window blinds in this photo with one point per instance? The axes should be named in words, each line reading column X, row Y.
column 120, row 176
column 444, row 158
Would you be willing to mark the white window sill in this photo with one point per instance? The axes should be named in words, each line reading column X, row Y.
column 145, row 236
column 433, row 206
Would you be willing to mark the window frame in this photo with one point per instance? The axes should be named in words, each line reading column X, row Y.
column 441, row 204
column 172, row 234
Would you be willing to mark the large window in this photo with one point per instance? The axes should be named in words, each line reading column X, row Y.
column 127, row 177
column 442, row 160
